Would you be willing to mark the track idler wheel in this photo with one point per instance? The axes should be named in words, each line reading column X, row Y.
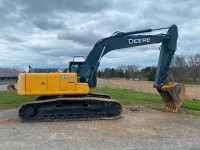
column 28, row 111
column 173, row 95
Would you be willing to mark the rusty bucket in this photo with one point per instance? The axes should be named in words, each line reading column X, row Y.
column 173, row 95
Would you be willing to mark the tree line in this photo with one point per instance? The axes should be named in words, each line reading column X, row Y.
column 16, row 68
column 182, row 69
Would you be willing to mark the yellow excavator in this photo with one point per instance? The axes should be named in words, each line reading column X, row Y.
column 69, row 95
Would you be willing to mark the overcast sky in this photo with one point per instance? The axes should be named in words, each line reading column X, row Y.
column 48, row 33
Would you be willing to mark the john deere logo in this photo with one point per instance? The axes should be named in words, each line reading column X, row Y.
column 136, row 41
column 67, row 77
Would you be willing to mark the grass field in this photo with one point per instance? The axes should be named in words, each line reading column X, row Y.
column 154, row 101
column 192, row 90
column 10, row 99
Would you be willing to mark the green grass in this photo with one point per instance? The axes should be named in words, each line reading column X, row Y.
column 10, row 99
column 197, row 114
column 129, row 97
column 191, row 104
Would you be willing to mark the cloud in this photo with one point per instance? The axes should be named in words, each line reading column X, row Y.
column 50, row 6
column 81, row 35
column 46, row 33
column 47, row 24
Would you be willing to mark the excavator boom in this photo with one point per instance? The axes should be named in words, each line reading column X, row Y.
column 172, row 93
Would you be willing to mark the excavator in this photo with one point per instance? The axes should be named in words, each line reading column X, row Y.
column 69, row 95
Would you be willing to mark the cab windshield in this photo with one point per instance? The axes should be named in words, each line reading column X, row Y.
column 74, row 66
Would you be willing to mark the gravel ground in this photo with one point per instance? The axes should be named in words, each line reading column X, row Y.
column 143, row 129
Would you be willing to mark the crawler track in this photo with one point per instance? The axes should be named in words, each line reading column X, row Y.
column 91, row 107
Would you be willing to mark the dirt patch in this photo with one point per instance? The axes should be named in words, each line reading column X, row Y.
column 7, row 121
column 11, row 87
column 148, row 124
column 192, row 91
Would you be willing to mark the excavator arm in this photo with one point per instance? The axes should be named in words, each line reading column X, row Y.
column 172, row 93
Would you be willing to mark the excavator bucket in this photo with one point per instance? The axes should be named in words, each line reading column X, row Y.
column 173, row 95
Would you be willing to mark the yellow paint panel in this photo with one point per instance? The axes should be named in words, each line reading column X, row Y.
column 21, row 84
column 67, row 81
column 36, row 82
column 53, row 81
column 58, row 93
column 82, row 87
column 51, row 84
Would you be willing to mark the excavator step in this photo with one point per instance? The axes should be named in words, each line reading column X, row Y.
column 72, row 108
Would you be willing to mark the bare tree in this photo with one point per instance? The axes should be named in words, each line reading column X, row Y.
column 121, row 71
column 194, row 66
column 179, row 69
column 131, row 71
column 16, row 68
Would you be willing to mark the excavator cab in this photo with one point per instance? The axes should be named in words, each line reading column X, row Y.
column 74, row 66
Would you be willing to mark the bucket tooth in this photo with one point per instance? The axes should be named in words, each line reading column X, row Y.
column 173, row 95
